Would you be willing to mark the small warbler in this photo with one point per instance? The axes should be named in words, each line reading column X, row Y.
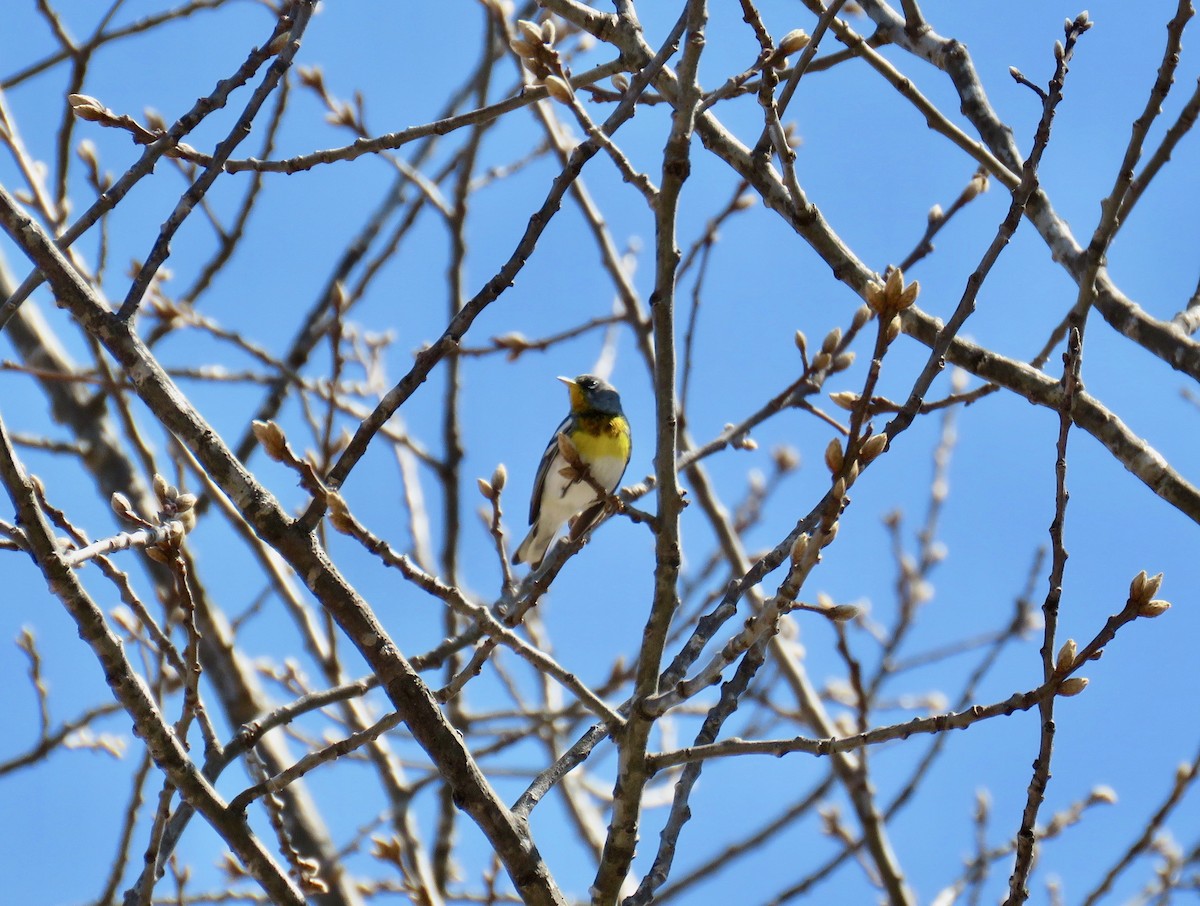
column 599, row 433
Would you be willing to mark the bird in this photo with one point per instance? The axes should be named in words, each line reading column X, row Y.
column 599, row 432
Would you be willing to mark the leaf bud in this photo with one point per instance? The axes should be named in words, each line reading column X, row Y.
column 842, row 362
column 834, row 456
column 799, row 546
column 156, row 554
column 270, row 437
column 1152, row 609
column 875, row 297
column 558, row 89
column 839, row 489
column 872, row 447
column 893, row 329
column 1066, row 656
column 162, row 490
column 801, row 342
column 794, row 40
column 530, row 31
column 844, row 399
column 983, row 804
column 1144, row 587
column 522, row 48
column 339, row 513
column 1103, row 794
column 86, row 107
column 842, row 613
column 786, row 458
column 87, row 153
column 1072, row 686
column 977, row 186
column 831, row 341
column 829, row 535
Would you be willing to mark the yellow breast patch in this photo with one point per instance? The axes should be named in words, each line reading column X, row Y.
column 602, row 436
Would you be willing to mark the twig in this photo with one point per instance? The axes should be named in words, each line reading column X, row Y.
column 1018, row 890
column 301, row 11
column 1185, row 777
column 166, row 750
column 631, row 773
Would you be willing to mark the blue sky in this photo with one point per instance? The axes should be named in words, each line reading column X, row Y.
column 874, row 170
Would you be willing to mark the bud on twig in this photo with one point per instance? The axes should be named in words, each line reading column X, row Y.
column 339, row 513
column 842, row 362
column 890, row 299
column 558, row 89
column 801, row 342
column 120, row 504
column 1144, row 587
column 977, row 186
column 87, row 153
column 852, row 473
column 1072, row 686
column 834, row 456
column 162, row 490
column 530, row 31
column 893, row 329
column 794, row 40
column 844, row 399
column 842, row 613
column 831, row 341
column 830, row 534
column 1066, row 656
column 799, row 547
column 785, row 458
column 87, row 108
column 1153, row 609
column 872, row 447
column 270, row 437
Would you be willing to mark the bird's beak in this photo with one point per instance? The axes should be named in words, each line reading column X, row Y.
column 576, row 394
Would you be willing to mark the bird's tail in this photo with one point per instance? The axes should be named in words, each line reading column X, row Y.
column 533, row 548
column 537, row 542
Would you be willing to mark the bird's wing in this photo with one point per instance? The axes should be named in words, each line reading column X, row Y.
column 539, row 481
